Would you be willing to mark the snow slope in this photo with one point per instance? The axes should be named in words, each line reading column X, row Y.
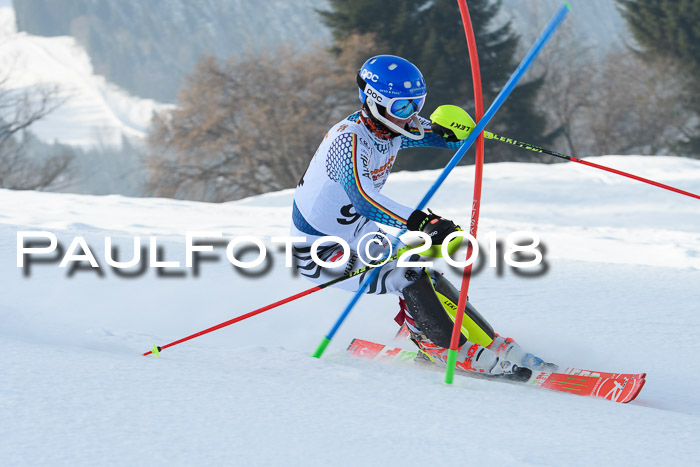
column 620, row 293
column 96, row 112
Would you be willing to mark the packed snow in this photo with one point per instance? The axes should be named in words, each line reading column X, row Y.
column 619, row 292
column 94, row 113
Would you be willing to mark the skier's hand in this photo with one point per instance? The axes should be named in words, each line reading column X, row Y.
column 452, row 123
column 435, row 226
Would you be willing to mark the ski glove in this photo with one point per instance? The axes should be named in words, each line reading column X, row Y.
column 452, row 123
column 435, row 226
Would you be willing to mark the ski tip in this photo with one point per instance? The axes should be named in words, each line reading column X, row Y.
column 567, row 5
column 633, row 395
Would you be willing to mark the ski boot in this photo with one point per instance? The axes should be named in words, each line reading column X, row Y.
column 471, row 358
column 508, row 349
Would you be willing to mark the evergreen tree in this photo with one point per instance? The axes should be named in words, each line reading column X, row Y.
column 670, row 28
column 431, row 35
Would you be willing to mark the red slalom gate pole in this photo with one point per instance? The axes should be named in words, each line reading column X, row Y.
column 476, row 203
column 156, row 349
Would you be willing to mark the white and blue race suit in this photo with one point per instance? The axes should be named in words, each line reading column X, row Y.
column 340, row 195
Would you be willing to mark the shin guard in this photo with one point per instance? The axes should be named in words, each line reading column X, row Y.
column 433, row 306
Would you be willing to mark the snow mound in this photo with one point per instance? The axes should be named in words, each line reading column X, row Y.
column 619, row 292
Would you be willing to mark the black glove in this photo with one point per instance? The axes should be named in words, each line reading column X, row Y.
column 435, row 226
column 446, row 133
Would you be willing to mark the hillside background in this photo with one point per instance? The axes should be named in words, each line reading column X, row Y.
column 125, row 89
column 148, row 48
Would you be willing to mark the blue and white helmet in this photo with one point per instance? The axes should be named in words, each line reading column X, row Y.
column 393, row 86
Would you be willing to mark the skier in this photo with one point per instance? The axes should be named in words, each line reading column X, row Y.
column 339, row 195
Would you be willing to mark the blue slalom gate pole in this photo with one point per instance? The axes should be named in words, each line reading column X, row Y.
column 502, row 96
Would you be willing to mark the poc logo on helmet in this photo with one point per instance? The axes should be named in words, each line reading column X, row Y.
column 374, row 94
column 369, row 76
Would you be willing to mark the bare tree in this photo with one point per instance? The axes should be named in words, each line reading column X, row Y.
column 250, row 125
column 614, row 103
column 636, row 106
column 19, row 110
column 568, row 66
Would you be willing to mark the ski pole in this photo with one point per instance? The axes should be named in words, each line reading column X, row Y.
column 505, row 92
column 157, row 349
column 531, row 147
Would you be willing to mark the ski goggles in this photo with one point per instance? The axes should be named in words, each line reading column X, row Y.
column 403, row 108
column 398, row 107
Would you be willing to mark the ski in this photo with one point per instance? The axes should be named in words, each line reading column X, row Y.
column 616, row 387
column 403, row 333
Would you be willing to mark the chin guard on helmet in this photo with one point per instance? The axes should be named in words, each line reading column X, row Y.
column 377, row 114
column 433, row 305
